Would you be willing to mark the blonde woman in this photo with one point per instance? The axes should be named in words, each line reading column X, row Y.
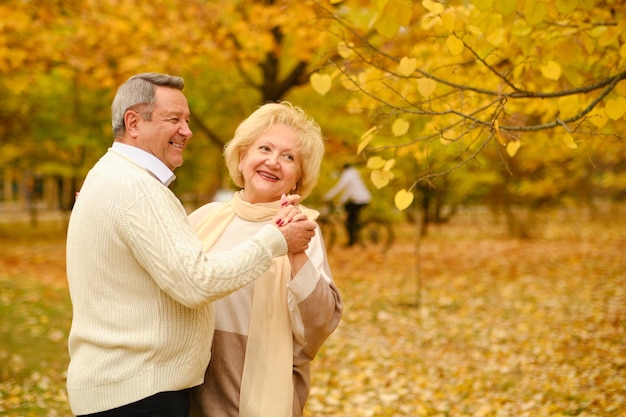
column 267, row 332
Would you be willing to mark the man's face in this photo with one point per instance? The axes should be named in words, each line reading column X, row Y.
column 167, row 134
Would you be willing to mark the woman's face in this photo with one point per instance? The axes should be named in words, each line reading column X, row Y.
column 271, row 166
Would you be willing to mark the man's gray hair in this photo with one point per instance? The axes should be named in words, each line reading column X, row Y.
column 139, row 90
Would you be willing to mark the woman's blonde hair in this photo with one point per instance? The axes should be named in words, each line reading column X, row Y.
column 309, row 141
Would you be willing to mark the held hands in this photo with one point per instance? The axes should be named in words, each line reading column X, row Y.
column 289, row 211
column 294, row 225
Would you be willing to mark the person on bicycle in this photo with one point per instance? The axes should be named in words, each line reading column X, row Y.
column 354, row 196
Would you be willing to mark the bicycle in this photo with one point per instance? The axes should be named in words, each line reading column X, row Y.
column 375, row 232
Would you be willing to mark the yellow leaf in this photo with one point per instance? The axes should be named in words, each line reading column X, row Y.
column 552, row 70
column 588, row 44
column 568, row 105
column 344, row 49
column 597, row 31
column 535, row 12
column 622, row 51
column 429, row 21
column 449, row 21
column 426, row 86
column 433, row 7
column 565, row 7
column 512, row 147
column 587, row 4
column 381, row 178
column 598, row 117
column 403, row 199
column 386, row 27
column 366, row 138
column 615, row 108
column 496, row 128
column 389, row 164
column 375, row 162
column 505, row 7
column 497, row 37
column 321, row 83
column 521, row 28
column 400, row 127
column 454, row 44
column 569, row 141
column 483, row 5
column 620, row 89
column 407, row 66
column 393, row 15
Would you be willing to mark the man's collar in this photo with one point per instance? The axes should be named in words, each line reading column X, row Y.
column 147, row 161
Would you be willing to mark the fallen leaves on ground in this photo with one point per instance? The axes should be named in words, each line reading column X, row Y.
column 478, row 324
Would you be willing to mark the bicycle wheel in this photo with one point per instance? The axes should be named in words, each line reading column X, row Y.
column 329, row 232
column 377, row 234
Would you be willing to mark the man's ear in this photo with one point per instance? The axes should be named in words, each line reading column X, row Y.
column 131, row 122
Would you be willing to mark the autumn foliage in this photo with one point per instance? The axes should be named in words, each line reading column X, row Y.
column 462, row 87
column 513, row 103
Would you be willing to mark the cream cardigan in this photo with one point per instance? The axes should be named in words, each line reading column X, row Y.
column 141, row 288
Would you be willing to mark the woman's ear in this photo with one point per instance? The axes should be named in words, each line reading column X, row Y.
column 242, row 156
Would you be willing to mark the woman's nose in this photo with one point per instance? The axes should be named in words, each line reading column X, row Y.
column 272, row 161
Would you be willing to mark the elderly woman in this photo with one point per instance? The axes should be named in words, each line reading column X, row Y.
column 267, row 332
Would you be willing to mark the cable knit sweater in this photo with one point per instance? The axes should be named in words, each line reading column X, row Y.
column 141, row 288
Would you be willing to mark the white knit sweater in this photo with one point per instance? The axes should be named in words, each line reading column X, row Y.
column 141, row 288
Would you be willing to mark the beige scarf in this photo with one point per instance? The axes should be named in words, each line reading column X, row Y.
column 267, row 381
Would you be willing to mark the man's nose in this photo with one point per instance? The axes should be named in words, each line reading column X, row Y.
column 185, row 131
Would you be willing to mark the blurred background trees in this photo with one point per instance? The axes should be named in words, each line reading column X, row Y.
column 514, row 105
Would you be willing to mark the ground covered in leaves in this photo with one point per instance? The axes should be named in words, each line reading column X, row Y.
column 465, row 322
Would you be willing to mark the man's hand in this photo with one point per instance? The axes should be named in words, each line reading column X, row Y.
column 298, row 234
